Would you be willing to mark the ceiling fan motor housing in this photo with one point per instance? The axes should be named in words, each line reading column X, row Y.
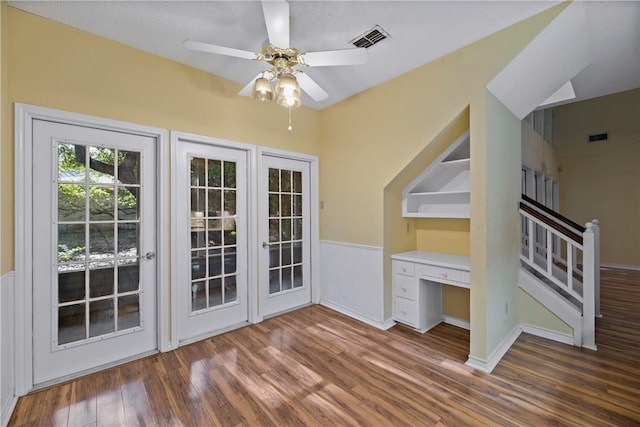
column 282, row 59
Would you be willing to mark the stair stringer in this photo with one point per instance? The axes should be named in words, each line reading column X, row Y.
column 566, row 311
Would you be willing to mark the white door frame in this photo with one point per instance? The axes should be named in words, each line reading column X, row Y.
column 23, row 145
column 314, row 214
column 250, row 150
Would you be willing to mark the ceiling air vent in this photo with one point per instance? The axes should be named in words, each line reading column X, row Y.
column 369, row 38
column 598, row 137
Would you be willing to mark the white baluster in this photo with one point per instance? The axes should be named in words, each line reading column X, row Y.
column 570, row 251
column 531, row 240
column 549, row 252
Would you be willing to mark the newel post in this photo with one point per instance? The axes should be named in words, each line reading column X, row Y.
column 588, row 288
column 596, row 244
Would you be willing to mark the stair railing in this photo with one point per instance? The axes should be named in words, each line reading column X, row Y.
column 566, row 255
column 541, row 248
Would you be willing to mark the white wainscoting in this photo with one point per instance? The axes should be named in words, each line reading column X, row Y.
column 352, row 281
column 8, row 397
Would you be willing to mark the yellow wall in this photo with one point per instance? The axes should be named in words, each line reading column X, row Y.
column 364, row 142
column 451, row 236
column 531, row 312
column 368, row 139
column 602, row 179
column 403, row 234
column 6, row 157
column 53, row 65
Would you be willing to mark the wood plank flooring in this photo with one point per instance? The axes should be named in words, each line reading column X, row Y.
column 316, row 367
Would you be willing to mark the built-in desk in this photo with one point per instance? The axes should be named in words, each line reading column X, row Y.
column 417, row 285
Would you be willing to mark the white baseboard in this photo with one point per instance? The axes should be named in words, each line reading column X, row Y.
column 456, row 321
column 497, row 354
column 7, row 410
column 384, row 325
column 353, row 245
column 477, row 363
column 621, row 266
column 547, row 333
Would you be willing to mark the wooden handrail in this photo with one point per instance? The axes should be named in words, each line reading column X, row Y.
column 553, row 224
column 553, row 214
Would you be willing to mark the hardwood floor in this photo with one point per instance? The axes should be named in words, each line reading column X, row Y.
column 317, row 367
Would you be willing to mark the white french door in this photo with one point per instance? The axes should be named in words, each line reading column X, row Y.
column 210, row 237
column 94, row 227
column 285, row 234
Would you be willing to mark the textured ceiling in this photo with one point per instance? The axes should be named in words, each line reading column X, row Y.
column 420, row 31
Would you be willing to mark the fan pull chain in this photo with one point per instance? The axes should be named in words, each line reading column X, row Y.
column 290, row 128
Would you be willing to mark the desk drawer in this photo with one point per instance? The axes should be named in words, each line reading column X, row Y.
column 403, row 267
column 405, row 286
column 444, row 274
column 406, row 311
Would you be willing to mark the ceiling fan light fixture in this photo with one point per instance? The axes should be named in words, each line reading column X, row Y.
column 262, row 90
column 288, row 91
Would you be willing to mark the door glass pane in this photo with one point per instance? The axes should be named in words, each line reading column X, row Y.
column 297, row 182
column 214, row 174
column 101, row 203
column 128, row 312
column 198, row 295
column 229, row 202
column 230, row 289
column 71, row 163
column 101, row 282
column 197, row 172
column 71, row 243
column 71, row 202
column 71, row 286
column 128, row 167
column 286, row 278
column 98, row 241
column 230, row 174
column 101, row 165
column 274, row 281
column 128, row 277
column 101, row 241
column 215, row 292
column 71, row 323
column 128, row 203
column 127, row 240
column 213, row 231
column 101, row 319
column 285, row 230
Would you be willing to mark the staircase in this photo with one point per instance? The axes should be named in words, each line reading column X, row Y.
column 560, row 267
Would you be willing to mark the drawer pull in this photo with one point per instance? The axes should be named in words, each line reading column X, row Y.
column 404, row 269
column 404, row 289
column 404, row 312
column 444, row 275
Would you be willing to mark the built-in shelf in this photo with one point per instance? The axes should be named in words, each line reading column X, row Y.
column 442, row 190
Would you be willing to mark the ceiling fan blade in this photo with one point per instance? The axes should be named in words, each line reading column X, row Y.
column 276, row 16
column 246, row 91
column 220, row 50
column 335, row 57
column 312, row 88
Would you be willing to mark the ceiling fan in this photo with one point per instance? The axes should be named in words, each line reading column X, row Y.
column 282, row 59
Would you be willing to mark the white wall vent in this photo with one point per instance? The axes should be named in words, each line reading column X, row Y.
column 370, row 37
